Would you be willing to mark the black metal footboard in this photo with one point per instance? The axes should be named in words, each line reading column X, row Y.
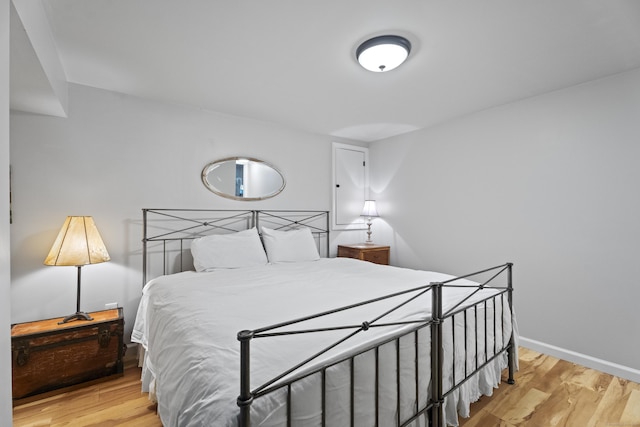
column 483, row 351
column 425, row 375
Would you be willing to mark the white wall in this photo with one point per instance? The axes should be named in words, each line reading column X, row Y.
column 115, row 155
column 550, row 183
column 5, row 300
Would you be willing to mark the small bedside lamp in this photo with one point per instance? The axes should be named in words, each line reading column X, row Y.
column 78, row 243
column 370, row 212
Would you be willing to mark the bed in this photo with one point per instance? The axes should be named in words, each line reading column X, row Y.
column 295, row 338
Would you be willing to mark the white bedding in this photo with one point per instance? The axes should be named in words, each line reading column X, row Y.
column 188, row 324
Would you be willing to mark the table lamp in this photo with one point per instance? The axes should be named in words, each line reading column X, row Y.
column 78, row 243
column 369, row 211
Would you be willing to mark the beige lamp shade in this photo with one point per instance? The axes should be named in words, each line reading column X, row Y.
column 369, row 209
column 78, row 243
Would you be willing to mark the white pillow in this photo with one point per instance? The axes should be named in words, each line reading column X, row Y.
column 289, row 246
column 235, row 250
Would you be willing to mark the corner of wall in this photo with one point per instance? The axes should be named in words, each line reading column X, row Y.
column 5, row 277
column 582, row 359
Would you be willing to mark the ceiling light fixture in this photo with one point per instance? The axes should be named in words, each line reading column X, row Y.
column 383, row 53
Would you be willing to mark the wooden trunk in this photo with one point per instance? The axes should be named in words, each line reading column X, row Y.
column 47, row 356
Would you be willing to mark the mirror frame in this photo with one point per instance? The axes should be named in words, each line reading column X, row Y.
column 208, row 167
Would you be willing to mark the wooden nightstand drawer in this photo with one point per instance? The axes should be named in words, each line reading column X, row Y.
column 366, row 252
column 47, row 356
column 379, row 257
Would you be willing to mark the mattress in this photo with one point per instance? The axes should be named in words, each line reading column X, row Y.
column 188, row 324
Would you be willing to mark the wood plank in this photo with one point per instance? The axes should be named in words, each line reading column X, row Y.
column 52, row 324
column 525, row 408
column 612, row 404
column 483, row 418
column 631, row 413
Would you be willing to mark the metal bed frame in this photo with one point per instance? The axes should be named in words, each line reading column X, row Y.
column 168, row 232
column 197, row 223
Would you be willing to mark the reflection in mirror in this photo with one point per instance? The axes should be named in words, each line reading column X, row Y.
column 243, row 178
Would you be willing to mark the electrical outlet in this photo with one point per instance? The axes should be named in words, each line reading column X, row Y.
column 111, row 305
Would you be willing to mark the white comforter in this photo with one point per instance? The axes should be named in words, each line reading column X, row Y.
column 188, row 324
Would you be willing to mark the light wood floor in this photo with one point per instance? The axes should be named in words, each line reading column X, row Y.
column 117, row 402
column 548, row 393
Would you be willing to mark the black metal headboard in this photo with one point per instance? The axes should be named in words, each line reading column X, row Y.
column 167, row 233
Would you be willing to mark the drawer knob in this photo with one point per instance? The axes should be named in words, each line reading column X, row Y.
column 104, row 336
column 23, row 356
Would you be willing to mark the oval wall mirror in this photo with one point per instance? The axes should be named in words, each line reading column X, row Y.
column 243, row 178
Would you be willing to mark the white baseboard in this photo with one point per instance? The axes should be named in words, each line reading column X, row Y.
column 582, row 359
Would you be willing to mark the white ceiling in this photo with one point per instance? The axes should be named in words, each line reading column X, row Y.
column 292, row 62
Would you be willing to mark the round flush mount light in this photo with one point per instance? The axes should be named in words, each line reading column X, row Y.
column 383, row 53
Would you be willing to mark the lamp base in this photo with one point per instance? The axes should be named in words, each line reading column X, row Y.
column 369, row 241
column 76, row 316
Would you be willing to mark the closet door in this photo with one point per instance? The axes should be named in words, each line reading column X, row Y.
column 350, row 185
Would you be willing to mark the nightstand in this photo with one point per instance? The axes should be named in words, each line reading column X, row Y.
column 47, row 356
column 366, row 252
